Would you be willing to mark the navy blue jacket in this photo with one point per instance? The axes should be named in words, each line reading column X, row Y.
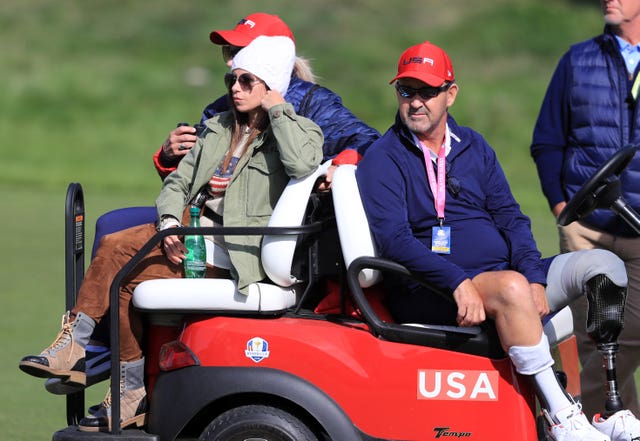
column 586, row 116
column 488, row 230
column 341, row 128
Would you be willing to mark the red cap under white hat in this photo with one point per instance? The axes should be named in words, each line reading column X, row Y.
column 250, row 27
column 425, row 62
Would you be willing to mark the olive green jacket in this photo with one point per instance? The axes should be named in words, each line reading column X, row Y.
column 290, row 148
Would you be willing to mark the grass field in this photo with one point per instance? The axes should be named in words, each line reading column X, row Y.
column 91, row 88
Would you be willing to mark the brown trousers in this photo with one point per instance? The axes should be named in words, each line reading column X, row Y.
column 114, row 252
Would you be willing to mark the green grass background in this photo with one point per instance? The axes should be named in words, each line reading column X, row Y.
column 90, row 88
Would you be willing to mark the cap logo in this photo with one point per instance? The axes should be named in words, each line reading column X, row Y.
column 249, row 23
column 418, row 60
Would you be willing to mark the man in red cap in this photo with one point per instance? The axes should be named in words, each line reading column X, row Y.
column 438, row 202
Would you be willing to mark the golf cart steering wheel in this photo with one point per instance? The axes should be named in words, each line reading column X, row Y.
column 603, row 190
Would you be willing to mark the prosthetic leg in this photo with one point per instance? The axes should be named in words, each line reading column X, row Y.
column 600, row 277
column 605, row 315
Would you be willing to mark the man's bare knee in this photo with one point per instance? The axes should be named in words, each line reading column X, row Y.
column 512, row 289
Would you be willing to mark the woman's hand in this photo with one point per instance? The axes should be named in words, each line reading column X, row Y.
column 272, row 98
column 174, row 249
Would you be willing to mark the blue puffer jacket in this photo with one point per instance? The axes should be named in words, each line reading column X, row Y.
column 341, row 128
column 586, row 116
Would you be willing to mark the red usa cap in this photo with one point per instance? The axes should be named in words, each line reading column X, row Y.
column 425, row 62
column 250, row 27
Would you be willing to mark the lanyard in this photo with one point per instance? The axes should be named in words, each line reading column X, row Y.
column 437, row 185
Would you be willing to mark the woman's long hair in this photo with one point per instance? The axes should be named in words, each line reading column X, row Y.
column 241, row 128
column 302, row 69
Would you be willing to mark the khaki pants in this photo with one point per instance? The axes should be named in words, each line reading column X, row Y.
column 575, row 237
column 114, row 252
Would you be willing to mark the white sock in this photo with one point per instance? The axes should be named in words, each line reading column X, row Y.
column 537, row 362
column 555, row 397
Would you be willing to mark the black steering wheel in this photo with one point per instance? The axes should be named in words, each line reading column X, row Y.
column 602, row 190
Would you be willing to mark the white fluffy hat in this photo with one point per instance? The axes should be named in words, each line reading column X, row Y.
column 269, row 58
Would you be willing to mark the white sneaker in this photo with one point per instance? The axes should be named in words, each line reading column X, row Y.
column 621, row 426
column 573, row 425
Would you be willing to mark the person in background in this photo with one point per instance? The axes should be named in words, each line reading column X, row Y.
column 430, row 188
column 241, row 166
column 591, row 110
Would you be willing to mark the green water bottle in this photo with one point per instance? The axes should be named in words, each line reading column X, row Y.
column 195, row 264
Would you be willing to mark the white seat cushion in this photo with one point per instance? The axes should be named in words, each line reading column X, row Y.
column 211, row 295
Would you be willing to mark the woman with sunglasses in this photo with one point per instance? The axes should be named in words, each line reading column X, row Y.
column 341, row 128
column 343, row 131
column 239, row 168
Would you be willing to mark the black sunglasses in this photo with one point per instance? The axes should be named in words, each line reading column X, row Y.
column 228, row 52
column 246, row 81
column 453, row 184
column 425, row 93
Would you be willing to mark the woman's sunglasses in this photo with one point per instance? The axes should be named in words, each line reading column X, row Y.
column 424, row 92
column 246, row 81
column 228, row 52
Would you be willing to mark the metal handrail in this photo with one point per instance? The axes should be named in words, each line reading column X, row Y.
column 114, row 297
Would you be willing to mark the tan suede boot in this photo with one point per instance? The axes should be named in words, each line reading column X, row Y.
column 133, row 401
column 65, row 357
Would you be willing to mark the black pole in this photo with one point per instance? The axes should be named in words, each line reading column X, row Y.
column 74, row 273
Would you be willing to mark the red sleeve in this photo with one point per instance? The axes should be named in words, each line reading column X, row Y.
column 348, row 156
column 163, row 171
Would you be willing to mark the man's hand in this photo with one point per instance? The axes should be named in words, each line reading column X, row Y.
column 180, row 141
column 470, row 307
column 558, row 208
column 540, row 299
column 324, row 186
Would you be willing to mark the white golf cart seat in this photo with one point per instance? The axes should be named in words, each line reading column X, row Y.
column 211, row 295
column 356, row 241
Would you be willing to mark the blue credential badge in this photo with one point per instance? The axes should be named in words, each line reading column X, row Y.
column 441, row 240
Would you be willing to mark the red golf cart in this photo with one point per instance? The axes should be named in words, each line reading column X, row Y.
column 311, row 354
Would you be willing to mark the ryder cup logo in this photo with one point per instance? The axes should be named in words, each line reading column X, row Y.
column 257, row 349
